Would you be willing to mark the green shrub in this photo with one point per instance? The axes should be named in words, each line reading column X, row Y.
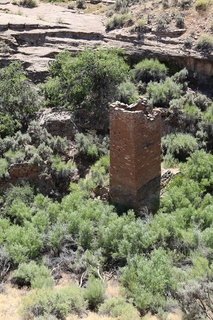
column 179, row 21
column 202, row 5
column 33, row 275
column 119, row 21
column 185, row 4
column 179, row 145
column 14, row 156
column 140, row 25
column 94, row 292
column 62, row 167
column 100, row 172
column 44, row 152
column 192, row 111
column 55, row 236
column 8, row 125
column 201, row 268
column 54, row 302
column 90, row 79
column 149, row 70
column 199, row 167
column 147, row 280
column 207, row 235
column 38, row 134
column 19, row 98
column 165, row 4
column 195, row 298
column 81, row 4
column 28, row 3
column 19, row 212
column 58, row 144
column 4, row 47
column 121, row 6
column 24, row 193
column 128, row 92
column 208, row 115
column 205, row 42
column 22, row 139
column 86, row 146
column 188, row 42
column 118, row 308
column 4, row 225
column 23, row 242
column 163, row 21
column 160, row 94
column 3, row 167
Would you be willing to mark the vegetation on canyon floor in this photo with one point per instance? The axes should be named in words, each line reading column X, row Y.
column 162, row 261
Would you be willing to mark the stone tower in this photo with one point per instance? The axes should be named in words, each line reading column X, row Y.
column 135, row 165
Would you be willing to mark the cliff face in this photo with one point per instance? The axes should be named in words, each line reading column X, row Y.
column 35, row 36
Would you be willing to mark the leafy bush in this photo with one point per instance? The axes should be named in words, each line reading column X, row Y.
column 119, row 21
column 19, row 99
column 163, row 21
column 81, row 4
column 188, row 42
column 23, row 242
column 140, row 25
column 28, row 3
column 179, row 146
column 149, row 70
column 4, row 47
column 205, row 42
column 61, row 167
column 54, row 302
column 86, row 146
column 179, row 21
column 199, row 168
column 100, row 172
column 24, row 193
column 185, row 4
column 58, row 144
column 91, row 146
column 33, row 275
column 202, row 5
column 89, row 79
column 38, row 134
column 94, row 292
column 14, row 156
column 118, row 308
column 147, row 280
column 160, row 94
column 128, row 92
column 3, row 167
column 192, row 111
column 195, row 299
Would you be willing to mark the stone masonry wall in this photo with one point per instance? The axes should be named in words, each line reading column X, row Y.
column 135, row 166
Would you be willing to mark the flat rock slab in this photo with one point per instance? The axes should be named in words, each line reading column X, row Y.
column 51, row 15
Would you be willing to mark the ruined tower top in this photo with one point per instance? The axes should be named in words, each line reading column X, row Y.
column 135, row 166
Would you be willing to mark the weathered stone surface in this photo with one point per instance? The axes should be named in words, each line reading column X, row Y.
column 135, row 166
column 24, row 171
column 58, row 122
column 36, row 36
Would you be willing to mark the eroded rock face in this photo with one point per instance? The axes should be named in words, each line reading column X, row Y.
column 35, row 37
column 58, row 122
column 24, row 171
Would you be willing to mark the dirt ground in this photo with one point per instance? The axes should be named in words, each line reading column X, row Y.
column 11, row 301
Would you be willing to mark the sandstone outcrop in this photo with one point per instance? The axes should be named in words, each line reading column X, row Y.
column 35, row 36
column 58, row 122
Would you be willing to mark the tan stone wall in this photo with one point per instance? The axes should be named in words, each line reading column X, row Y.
column 135, row 137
